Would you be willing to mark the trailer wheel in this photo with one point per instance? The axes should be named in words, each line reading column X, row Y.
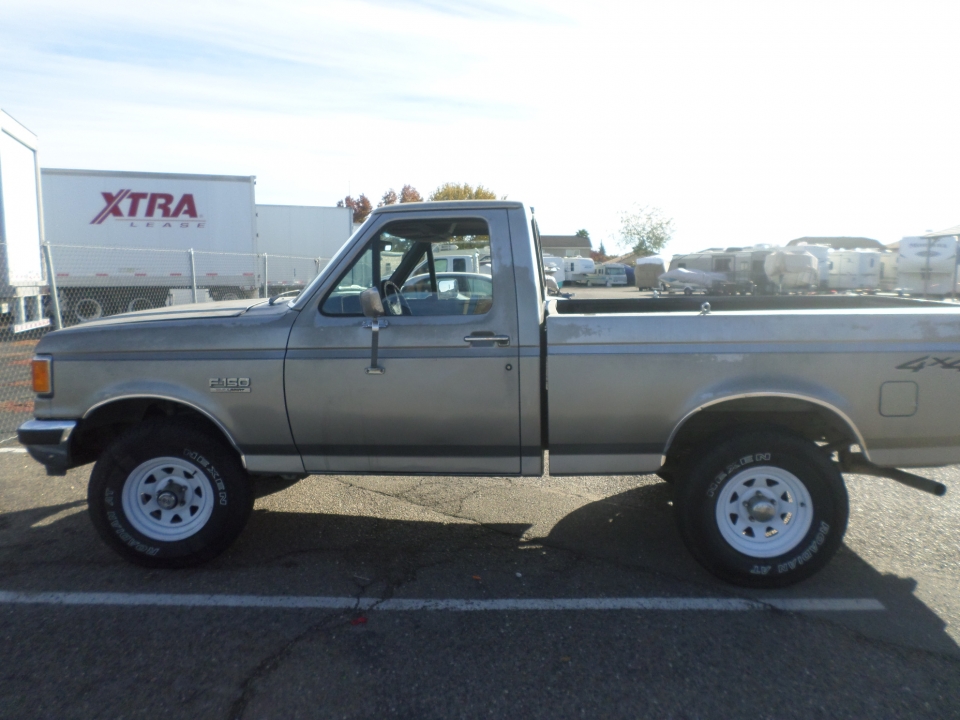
column 87, row 308
column 764, row 509
column 139, row 303
column 168, row 494
column 225, row 295
column 688, row 291
column 147, row 299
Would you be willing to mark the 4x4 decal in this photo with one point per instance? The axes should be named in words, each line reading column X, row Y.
column 927, row 361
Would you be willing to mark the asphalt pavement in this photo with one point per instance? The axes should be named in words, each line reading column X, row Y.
column 357, row 597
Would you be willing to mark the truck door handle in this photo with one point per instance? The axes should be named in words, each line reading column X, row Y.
column 500, row 340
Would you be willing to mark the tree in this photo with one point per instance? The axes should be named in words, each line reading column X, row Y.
column 361, row 207
column 389, row 198
column 583, row 233
column 409, row 194
column 646, row 229
column 463, row 191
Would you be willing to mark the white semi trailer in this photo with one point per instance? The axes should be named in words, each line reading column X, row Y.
column 122, row 241
column 296, row 241
column 22, row 271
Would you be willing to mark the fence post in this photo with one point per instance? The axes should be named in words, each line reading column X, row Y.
column 266, row 276
column 193, row 275
column 52, row 282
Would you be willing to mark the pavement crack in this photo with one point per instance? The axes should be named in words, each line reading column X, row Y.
column 268, row 665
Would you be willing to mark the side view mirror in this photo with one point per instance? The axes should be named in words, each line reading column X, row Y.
column 371, row 304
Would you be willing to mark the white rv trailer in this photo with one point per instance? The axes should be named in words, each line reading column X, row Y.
column 854, row 270
column 821, row 253
column 741, row 268
column 577, row 269
column 889, row 271
column 928, row 265
column 792, row 269
column 608, row 274
column 22, row 271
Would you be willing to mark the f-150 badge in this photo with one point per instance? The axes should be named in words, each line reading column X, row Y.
column 230, row 385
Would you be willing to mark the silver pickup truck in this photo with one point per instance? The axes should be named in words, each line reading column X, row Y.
column 751, row 408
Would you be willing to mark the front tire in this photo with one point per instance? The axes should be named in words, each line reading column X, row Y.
column 765, row 509
column 167, row 493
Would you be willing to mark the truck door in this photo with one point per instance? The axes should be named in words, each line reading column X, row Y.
column 443, row 395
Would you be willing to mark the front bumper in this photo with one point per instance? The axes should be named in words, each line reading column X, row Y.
column 48, row 442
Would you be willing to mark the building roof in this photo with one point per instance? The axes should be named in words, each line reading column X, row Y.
column 565, row 241
column 840, row 243
column 955, row 230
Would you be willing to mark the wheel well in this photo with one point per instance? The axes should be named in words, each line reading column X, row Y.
column 805, row 418
column 107, row 422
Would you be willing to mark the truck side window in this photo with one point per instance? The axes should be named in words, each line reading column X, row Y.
column 345, row 298
column 400, row 258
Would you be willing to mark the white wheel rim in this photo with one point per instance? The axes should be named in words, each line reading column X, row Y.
column 762, row 488
column 164, row 476
column 138, row 304
column 88, row 309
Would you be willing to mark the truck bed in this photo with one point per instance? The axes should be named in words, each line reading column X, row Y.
column 734, row 303
column 624, row 373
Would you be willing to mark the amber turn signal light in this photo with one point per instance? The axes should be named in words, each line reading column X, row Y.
column 42, row 375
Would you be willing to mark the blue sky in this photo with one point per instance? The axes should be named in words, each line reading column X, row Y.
column 745, row 121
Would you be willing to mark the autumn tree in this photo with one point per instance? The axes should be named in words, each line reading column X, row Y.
column 463, row 191
column 389, row 198
column 409, row 194
column 646, row 229
column 361, row 207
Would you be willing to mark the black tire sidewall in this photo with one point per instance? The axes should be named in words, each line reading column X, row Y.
column 233, row 496
column 696, row 509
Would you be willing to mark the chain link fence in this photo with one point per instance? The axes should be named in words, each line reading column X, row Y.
column 95, row 282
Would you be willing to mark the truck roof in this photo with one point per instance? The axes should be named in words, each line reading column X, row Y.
column 449, row 205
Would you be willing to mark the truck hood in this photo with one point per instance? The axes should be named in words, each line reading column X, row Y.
column 195, row 311
column 233, row 325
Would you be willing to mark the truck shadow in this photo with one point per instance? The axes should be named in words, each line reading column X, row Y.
column 625, row 545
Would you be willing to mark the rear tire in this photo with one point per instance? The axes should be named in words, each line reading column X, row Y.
column 765, row 509
column 169, row 494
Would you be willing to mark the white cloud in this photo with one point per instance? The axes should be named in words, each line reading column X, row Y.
column 747, row 121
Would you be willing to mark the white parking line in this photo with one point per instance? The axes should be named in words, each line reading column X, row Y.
column 281, row 602
column 13, row 450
